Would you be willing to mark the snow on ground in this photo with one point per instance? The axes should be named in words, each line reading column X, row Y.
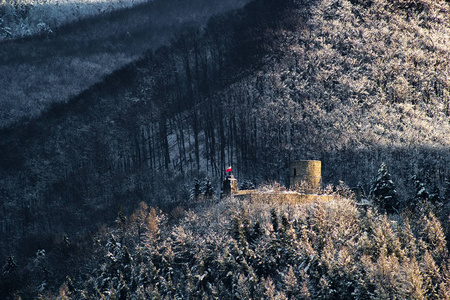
column 19, row 18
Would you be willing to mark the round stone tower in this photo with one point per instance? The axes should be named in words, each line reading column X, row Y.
column 309, row 171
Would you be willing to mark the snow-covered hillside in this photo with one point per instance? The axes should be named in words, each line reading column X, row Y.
column 19, row 18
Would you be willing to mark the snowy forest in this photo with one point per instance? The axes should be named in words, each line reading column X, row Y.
column 100, row 180
column 23, row 18
column 70, row 56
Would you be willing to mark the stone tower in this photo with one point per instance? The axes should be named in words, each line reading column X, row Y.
column 309, row 171
column 230, row 186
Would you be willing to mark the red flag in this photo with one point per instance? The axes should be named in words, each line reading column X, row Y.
column 228, row 170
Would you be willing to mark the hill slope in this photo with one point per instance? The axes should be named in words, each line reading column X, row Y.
column 40, row 70
column 264, row 250
column 256, row 88
column 357, row 82
column 28, row 17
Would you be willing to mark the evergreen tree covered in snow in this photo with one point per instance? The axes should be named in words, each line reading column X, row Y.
column 248, row 185
column 382, row 191
column 426, row 194
column 208, row 189
column 10, row 265
column 421, row 188
column 195, row 191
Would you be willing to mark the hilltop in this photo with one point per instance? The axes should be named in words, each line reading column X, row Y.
column 351, row 83
column 255, row 249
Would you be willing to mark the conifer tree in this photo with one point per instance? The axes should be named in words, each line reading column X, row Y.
column 10, row 265
column 274, row 219
column 208, row 189
column 121, row 219
column 414, row 280
column 425, row 191
column 422, row 193
column 434, row 237
column 383, row 192
column 256, row 231
column 385, row 237
column 290, row 282
column 408, row 240
column 195, row 191
column 247, row 185
column 432, row 277
column 70, row 286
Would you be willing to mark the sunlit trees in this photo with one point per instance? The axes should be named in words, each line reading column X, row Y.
column 330, row 249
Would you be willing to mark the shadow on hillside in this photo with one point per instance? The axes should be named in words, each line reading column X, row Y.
column 44, row 69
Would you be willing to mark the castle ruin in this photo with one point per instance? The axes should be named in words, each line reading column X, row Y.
column 302, row 173
column 307, row 172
